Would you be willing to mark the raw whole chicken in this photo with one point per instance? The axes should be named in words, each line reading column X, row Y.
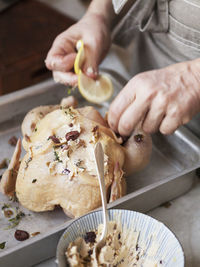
column 59, row 168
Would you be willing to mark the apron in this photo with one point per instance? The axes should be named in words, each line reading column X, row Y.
column 166, row 31
column 160, row 33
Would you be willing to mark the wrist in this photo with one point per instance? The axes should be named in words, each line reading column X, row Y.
column 104, row 11
column 194, row 66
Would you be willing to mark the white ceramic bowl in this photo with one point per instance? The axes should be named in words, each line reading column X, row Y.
column 169, row 251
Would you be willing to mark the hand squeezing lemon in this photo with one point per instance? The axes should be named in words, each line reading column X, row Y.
column 95, row 91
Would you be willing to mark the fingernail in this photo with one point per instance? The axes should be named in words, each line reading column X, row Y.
column 55, row 61
column 56, row 77
column 53, row 64
column 90, row 70
column 111, row 124
column 78, row 45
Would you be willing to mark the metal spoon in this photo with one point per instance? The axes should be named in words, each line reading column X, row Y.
column 99, row 159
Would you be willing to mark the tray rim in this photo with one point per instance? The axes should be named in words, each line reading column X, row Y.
column 110, row 206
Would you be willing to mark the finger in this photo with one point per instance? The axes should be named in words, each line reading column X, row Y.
column 58, row 62
column 94, row 51
column 131, row 117
column 67, row 78
column 90, row 65
column 169, row 125
column 154, row 117
column 118, row 106
column 186, row 119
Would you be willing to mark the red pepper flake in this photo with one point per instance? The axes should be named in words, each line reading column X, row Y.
column 81, row 143
column 33, row 125
column 27, row 162
column 66, row 171
column 90, row 252
column 95, row 128
column 138, row 138
column 35, row 233
column 8, row 213
column 96, row 133
column 21, row 235
column 27, row 138
column 41, row 115
column 166, row 204
column 65, row 147
column 71, row 125
column 13, row 141
column 73, row 135
column 54, row 139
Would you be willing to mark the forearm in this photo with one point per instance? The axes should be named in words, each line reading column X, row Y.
column 195, row 69
column 105, row 10
column 191, row 79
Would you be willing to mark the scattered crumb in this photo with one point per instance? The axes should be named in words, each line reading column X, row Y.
column 27, row 138
column 12, row 141
column 8, row 213
column 35, row 233
column 21, row 235
column 4, row 164
column 166, row 204
column 198, row 172
column 2, row 245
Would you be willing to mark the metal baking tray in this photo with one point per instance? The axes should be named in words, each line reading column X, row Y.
column 169, row 174
column 194, row 125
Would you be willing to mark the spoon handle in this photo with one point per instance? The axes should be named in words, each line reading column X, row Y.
column 99, row 159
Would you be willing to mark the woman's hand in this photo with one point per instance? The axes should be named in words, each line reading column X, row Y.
column 160, row 100
column 94, row 30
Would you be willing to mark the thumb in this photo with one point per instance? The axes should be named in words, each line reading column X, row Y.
column 92, row 60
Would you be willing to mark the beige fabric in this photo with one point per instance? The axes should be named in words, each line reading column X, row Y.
column 118, row 5
column 160, row 33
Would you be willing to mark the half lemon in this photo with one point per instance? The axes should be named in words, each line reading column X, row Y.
column 79, row 57
column 95, row 91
